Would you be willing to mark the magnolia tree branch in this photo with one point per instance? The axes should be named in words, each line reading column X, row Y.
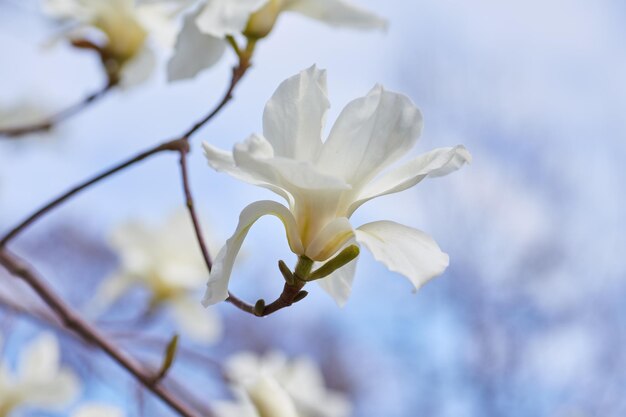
column 50, row 122
column 173, row 145
column 72, row 320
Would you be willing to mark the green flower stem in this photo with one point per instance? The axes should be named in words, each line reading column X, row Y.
column 303, row 268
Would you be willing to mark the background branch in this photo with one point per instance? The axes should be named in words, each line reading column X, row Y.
column 72, row 320
column 50, row 122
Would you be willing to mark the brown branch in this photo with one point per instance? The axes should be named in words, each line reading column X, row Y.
column 173, row 145
column 238, row 72
column 75, row 322
column 184, row 173
column 291, row 294
column 69, row 317
column 50, row 122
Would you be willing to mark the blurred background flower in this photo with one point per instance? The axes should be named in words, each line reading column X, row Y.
column 529, row 318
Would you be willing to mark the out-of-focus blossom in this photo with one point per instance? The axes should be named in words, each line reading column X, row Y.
column 325, row 182
column 123, row 31
column 98, row 410
column 167, row 262
column 272, row 382
column 39, row 380
column 202, row 40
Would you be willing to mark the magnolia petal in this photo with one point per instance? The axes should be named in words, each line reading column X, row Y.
column 159, row 19
column 370, row 133
column 108, row 293
column 330, row 239
column 254, row 156
column 405, row 250
column 98, row 410
column 196, row 322
column 436, row 163
column 40, row 359
column 223, row 161
column 337, row 13
column 269, row 398
column 217, row 287
column 55, row 393
column 220, row 18
column 294, row 117
column 139, row 68
column 339, row 284
column 194, row 51
column 66, row 9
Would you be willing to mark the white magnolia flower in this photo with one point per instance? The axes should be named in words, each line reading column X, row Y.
column 168, row 263
column 98, row 410
column 271, row 382
column 122, row 29
column 39, row 380
column 325, row 182
column 202, row 40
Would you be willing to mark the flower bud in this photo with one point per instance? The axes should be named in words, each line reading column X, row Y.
column 345, row 257
column 262, row 21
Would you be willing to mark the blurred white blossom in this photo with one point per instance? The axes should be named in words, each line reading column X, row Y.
column 325, row 182
column 167, row 262
column 272, row 385
column 202, row 40
column 126, row 31
column 98, row 410
column 39, row 380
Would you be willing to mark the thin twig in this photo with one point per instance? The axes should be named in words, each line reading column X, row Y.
column 74, row 321
column 192, row 210
column 50, row 122
column 70, row 318
column 173, row 145
column 238, row 72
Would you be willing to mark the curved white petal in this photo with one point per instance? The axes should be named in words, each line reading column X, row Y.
column 330, row 239
column 405, row 250
column 194, row 51
column 219, row 18
column 370, row 133
column 139, row 68
column 436, row 163
column 254, row 156
column 223, row 161
column 337, row 13
column 198, row 323
column 217, row 287
column 294, row 117
column 339, row 284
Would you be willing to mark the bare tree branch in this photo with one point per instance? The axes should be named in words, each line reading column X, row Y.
column 72, row 320
column 50, row 122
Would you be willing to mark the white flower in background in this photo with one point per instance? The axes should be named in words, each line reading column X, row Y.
column 167, row 262
column 39, row 380
column 202, row 40
column 273, row 386
column 123, row 30
column 97, row 410
column 325, row 182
